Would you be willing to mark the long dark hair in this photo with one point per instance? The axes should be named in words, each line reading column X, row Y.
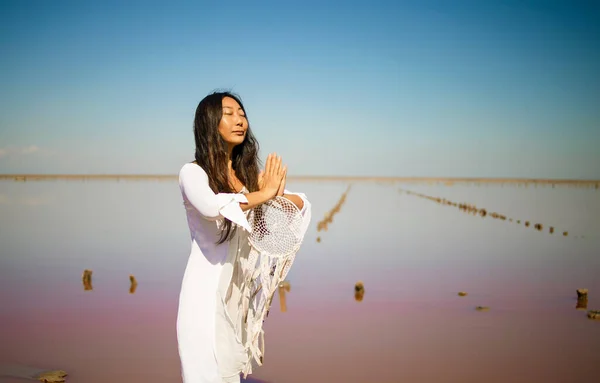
column 211, row 152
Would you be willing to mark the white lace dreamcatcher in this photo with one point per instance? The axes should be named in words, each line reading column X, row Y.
column 274, row 241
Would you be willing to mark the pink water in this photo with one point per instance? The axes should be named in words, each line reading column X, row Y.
column 412, row 255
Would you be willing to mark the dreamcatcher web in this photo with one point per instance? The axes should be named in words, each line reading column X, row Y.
column 274, row 241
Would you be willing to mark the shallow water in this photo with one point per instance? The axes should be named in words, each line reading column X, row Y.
column 412, row 254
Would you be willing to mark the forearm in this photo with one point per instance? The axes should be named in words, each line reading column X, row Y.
column 254, row 199
column 295, row 199
column 260, row 197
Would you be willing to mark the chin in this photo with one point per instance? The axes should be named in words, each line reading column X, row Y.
column 236, row 140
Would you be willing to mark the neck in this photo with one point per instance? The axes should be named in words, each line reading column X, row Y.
column 230, row 172
column 229, row 153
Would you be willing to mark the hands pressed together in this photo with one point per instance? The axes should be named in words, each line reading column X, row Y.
column 271, row 181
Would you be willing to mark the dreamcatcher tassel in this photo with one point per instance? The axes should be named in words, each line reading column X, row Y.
column 276, row 236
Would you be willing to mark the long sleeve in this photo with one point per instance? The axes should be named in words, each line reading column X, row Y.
column 306, row 211
column 195, row 188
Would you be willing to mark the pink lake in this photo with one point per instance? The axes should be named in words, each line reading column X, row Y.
column 412, row 255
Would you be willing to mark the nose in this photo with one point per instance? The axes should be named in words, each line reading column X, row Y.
column 239, row 120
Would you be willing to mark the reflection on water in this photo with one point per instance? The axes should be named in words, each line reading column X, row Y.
column 582, row 299
column 133, row 284
column 359, row 291
column 582, row 304
column 32, row 373
column 87, row 280
column 284, row 287
column 474, row 210
column 324, row 223
column 415, row 257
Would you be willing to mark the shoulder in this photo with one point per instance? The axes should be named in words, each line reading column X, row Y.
column 192, row 170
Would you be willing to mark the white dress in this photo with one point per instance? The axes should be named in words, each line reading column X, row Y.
column 209, row 347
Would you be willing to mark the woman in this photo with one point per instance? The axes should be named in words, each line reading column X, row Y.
column 218, row 190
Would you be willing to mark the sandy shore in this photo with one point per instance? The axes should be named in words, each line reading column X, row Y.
column 445, row 180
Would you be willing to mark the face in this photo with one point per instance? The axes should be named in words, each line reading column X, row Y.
column 233, row 125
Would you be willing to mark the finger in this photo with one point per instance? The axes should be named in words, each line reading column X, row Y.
column 268, row 165
column 278, row 166
column 281, row 190
column 273, row 169
column 283, row 168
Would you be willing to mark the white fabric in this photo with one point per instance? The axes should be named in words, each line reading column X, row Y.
column 245, row 308
column 210, row 334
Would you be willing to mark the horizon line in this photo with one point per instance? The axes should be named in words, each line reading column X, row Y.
column 33, row 176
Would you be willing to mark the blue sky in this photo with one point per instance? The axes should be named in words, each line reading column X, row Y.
column 406, row 88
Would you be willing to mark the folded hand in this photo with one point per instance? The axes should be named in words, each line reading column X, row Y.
column 272, row 179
